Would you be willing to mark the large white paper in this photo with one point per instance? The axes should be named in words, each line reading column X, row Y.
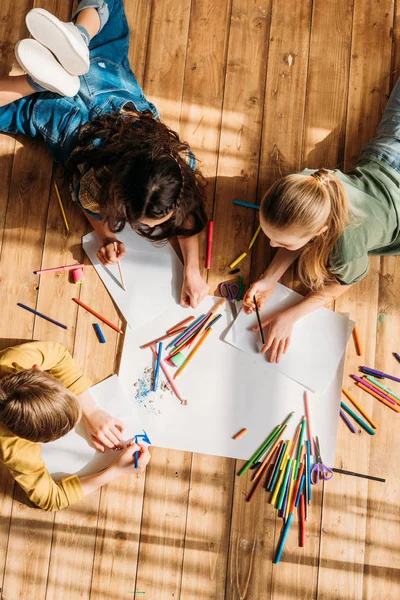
column 316, row 346
column 152, row 275
column 226, row 390
column 74, row 452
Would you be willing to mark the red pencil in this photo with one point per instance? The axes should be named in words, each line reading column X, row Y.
column 97, row 315
column 302, row 523
column 209, row 244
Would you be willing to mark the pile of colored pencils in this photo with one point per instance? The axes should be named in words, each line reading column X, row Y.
column 285, row 467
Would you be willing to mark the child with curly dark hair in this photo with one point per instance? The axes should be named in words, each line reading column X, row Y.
column 123, row 164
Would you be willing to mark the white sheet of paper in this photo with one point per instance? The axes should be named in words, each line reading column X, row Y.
column 226, row 390
column 152, row 275
column 316, row 346
column 74, row 453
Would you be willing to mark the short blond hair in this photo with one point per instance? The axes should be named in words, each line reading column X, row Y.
column 36, row 406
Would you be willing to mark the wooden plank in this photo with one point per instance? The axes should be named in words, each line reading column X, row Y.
column 163, row 524
column 138, row 15
column 381, row 569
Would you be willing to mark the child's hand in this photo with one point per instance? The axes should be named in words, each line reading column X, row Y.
column 111, row 252
column 104, row 430
column 125, row 463
column 280, row 326
column 262, row 290
column 194, row 288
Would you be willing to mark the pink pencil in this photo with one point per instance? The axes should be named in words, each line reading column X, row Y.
column 54, row 269
column 310, row 436
column 168, row 376
column 209, row 244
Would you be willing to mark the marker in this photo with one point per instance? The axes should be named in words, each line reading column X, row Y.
column 35, row 312
column 100, row 335
column 379, row 374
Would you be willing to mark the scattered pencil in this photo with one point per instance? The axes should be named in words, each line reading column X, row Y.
column 390, row 404
column 281, row 545
column 255, row 236
column 169, row 378
column 389, row 392
column 259, row 321
column 372, row 388
column 100, row 335
column 214, row 309
column 310, row 436
column 55, row 269
column 162, row 338
column 240, row 433
column 357, row 342
column 396, row 355
column 212, row 323
column 357, row 418
column 379, row 374
column 209, row 244
column 302, row 522
column 121, row 276
column 348, row 422
column 343, row 472
column 234, row 271
column 97, row 315
column 359, row 408
column 61, row 207
column 157, row 370
column 35, row 312
column 237, row 260
column 193, row 353
column 180, row 324
column 246, row 204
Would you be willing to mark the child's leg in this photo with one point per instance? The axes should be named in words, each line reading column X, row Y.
column 390, row 122
column 14, row 88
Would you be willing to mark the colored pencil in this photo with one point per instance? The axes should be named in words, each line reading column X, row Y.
column 302, row 522
column 35, row 312
column 180, row 325
column 301, row 489
column 275, row 443
column 371, row 387
column 284, row 484
column 348, row 422
column 276, row 470
column 357, row 418
column 308, row 474
column 161, row 339
column 281, row 545
column 258, row 481
column 234, row 271
column 300, row 446
column 396, row 355
column 291, row 489
column 359, row 408
column 259, row 321
column 255, row 236
column 157, row 370
column 295, row 440
column 96, row 314
column 394, row 407
column 380, row 374
column 246, row 204
column 180, row 338
column 270, row 440
column 121, row 276
column 343, row 472
column 136, row 456
column 259, row 451
column 240, row 433
column 55, row 269
column 387, row 391
column 61, row 207
column 310, row 435
column 281, row 477
column 357, row 343
column 193, row 353
column 212, row 323
column 237, row 260
column 276, row 463
column 209, row 244
column 212, row 312
column 168, row 376
column 285, row 502
column 297, row 487
column 99, row 332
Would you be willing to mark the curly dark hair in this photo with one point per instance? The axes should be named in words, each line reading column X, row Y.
column 147, row 174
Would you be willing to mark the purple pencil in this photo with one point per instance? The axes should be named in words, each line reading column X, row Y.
column 282, row 512
column 348, row 422
column 192, row 331
column 373, row 389
column 369, row 371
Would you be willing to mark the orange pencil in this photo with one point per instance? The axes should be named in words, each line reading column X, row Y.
column 97, row 315
column 214, row 309
column 193, row 353
column 240, row 433
column 359, row 408
column 381, row 390
column 296, row 439
column 296, row 489
column 259, row 480
column 168, row 376
column 392, row 406
column 162, row 338
column 179, row 325
column 269, row 455
column 357, row 343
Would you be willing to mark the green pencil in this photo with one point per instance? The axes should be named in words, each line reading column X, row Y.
column 357, row 418
column 303, row 425
column 383, row 387
column 285, row 483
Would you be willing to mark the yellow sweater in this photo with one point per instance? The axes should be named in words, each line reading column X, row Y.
column 23, row 458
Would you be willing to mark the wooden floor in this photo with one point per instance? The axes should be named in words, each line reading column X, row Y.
column 259, row 88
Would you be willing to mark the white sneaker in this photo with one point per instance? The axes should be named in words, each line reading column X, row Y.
column 63, row 39
column 44, row 69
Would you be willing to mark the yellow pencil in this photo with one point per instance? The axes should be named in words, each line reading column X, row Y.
column 280, row 479
column 61, row 207
column 119, row 268
column 291, row 489
column 237, row 261
column 361, row 410
column 253, row 239
column 193, row 352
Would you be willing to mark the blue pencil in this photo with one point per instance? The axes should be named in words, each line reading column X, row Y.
column 157, row 371
column 283, row 539
column 276, row 474
column 309, row 471
column 136, row 456
column 300, row 490
column 35, row 312
column 212, row 323
column 175, row 341
column 99, row 332
column 246, row 204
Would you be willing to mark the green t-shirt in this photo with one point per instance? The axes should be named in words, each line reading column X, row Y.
column 374, row 194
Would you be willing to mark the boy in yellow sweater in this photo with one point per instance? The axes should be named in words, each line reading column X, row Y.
column 42, row 397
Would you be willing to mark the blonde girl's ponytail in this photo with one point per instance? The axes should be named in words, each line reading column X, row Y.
column 306, row 203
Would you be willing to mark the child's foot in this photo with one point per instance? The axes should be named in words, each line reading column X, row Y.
column 63, row 39
column 44, row 69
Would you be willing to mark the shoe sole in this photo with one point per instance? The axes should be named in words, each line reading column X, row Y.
column 32, row 57
column 46, row 29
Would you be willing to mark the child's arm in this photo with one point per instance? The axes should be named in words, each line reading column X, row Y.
column 280, row 324
column 105, row 431
column 106, row 253
column 194, row 288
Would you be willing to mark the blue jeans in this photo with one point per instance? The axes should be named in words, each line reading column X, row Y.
column 386, row 146
column 108, row 87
